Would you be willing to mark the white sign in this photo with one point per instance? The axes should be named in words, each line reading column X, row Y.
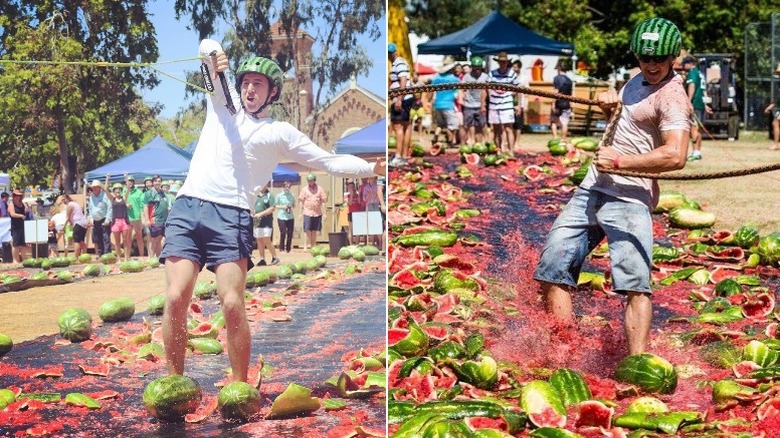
column 36, row 231
column 5, row 229
column 366, row 223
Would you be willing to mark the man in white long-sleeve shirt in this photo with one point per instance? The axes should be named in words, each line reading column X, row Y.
column 210, row 223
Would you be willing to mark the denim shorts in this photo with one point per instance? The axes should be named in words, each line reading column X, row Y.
column 586, row 219
column 207, row 233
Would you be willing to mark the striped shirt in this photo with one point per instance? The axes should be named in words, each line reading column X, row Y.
column 400, row 69
column 502, row 100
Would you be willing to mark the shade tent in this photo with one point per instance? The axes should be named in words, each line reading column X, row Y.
column 492, row 34
column 369, row 142
column 158, row 157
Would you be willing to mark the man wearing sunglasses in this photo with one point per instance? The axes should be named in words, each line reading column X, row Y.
column 651, row 136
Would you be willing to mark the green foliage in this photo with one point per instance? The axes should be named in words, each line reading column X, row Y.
column 336, row 55
column 65, row 119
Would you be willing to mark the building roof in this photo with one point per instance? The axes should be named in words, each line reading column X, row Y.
column 353, row 85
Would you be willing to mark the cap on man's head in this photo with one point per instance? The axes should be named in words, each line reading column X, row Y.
column 391, row 48
column 688, row 59
column 96, row 183
column 131, row 178
column 311, row 177
column 148, row 178
column 174, row 188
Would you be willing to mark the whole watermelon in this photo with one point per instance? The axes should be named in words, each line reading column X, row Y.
column 557, row 147
column 284, row 271
column 132, row 266
column 769, row 249
column 92, row 270
column 690, row 218
column 75, row 324
column 156, row 305
column 239, row 401
column 746, row 236
column 370, row 250
column 649, row 372
column 108, row 258
column 205, row 289
column 84, row 258
column 118, row 310
column 172, row 397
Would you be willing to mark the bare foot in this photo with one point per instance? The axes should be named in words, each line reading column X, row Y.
column 774, row 147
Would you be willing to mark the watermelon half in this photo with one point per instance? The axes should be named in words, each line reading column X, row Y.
column 543, row 405
column 593, row 413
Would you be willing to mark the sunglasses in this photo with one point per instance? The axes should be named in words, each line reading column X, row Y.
column 657, row 59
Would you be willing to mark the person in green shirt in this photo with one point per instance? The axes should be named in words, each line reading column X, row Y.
column 135, row 202
column 157, row 213
column 285, row 202
column 694, row 87
column 263, row 227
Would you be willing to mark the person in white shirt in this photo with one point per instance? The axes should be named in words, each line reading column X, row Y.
column 210, row 223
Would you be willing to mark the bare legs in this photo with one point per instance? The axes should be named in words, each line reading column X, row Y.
column 638, row 315
column 231, row 281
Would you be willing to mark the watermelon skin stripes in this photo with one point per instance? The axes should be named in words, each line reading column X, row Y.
column 649, row 372
column 570, row 386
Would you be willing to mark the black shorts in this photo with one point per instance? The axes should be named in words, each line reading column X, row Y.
column 17, row 237
column 157, row 230
column 401, row 115
column 79, row 233
column 312, row 223
column 473, row 117
column 519, row 121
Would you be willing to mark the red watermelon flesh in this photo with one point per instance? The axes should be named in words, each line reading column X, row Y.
column 533, row 172
column 731, row 254
column 722, row 236
column 437, row 148
column 594, row 413
column 472, row 159
column 744, row 367
column 770, row 408
column 475, row 423
column 396, row 335
column 720, row 273
column 547, row 418
column 771, row 330
column 759, row 306
column 437, row 332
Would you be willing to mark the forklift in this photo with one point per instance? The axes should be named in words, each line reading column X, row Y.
column 720, row 95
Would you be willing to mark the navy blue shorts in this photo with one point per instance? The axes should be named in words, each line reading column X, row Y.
column 208, row 234
column 312, row 223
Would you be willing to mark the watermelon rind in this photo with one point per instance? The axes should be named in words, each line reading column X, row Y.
column 649, row 372
column 746, row 236
column 769, row 249
column 758, row 352
column 206, row 345
column 570, row 385
column 647, row 404
column 690, row 218
column 172, row 397
column 156, row 305
column 668, row 200
column 239, row 401
column 542, row 404
column 6, row 344
column 117, row 310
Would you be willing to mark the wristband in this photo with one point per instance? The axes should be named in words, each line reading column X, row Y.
column 616, row 162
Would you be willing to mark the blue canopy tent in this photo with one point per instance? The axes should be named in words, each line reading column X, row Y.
column 492, row 34
column 158, row 157
column 369, row 142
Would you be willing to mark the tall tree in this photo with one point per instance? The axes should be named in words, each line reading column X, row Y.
column 335, row 26
column 84, row 115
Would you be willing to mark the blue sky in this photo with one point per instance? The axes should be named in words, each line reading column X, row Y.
column 175, row 41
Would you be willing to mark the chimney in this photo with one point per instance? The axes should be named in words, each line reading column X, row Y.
column 303, row 102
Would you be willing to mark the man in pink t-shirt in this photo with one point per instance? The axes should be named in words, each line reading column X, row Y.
column 651, row 136
column 312, row 198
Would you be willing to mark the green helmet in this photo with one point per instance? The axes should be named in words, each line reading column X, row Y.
column 656, row 37
column 266, row 67
column 477, row 61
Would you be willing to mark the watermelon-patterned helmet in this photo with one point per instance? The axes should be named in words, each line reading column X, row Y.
column 656, row 37
column 265, row 67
